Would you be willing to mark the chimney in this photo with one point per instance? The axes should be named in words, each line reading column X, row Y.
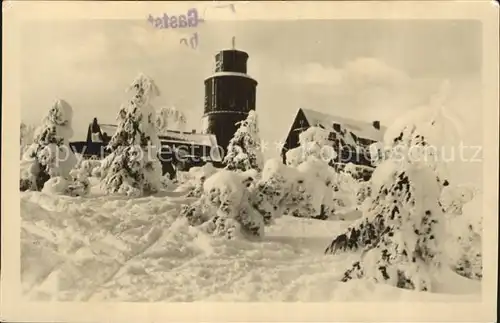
column 376, row 125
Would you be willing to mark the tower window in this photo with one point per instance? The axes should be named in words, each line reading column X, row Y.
column 218, row 65
column 213, row 93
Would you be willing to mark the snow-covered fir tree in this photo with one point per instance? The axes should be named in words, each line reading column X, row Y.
column 403, row 230
column 244, row 151
column 311, row 193
column 270, row 194
column 401, row 227
column 49, row 155
column 133, row 167
column 312, row 158
column 223, row 209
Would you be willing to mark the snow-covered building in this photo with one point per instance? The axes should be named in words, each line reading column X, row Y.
column 182, row 149
column 230, row 94
column 350, row 138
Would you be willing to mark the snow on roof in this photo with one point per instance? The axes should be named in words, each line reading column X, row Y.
column 174, row 136
column 187, row 137
column 230, row 74
column 361, row 129
column 109, row 129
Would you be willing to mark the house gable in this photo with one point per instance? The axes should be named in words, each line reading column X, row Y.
column 292, row 140
column 350, row 138
column 359, row 129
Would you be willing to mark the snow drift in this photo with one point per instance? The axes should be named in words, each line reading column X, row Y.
column 105, row 248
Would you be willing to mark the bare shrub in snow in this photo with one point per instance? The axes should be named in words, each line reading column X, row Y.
column 224, row 209
column 49, row 155
column 244, row 151
column 133, row 168
column 464, row 244
column 169, row 118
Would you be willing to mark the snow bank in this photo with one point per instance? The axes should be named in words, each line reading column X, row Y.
column 117, row 249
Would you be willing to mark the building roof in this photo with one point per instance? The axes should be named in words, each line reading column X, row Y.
column 174, row 136
column 109, row 129
column 361, row 129
column 218, row 74
column 208, row 140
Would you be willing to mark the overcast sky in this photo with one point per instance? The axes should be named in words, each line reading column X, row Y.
column 363, row 69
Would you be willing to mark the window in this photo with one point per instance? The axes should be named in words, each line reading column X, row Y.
column 218, row 65
column 336, row 127
column 213, row 93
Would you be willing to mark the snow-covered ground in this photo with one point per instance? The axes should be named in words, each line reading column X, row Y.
column 121, row 249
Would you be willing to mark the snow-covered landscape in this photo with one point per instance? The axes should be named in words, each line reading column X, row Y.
column 117, row 249
column 256, row 230
column 284, row 163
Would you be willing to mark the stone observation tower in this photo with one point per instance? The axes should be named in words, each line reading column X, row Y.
column 229, row 95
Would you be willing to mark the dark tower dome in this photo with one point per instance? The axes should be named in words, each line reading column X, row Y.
column 230, row 94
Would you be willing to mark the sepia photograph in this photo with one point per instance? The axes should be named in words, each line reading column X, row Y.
column 186, row 155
